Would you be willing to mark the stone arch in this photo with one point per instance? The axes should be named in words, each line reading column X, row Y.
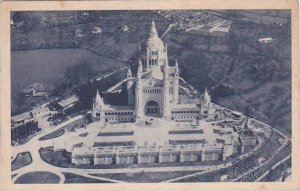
column 152, row 108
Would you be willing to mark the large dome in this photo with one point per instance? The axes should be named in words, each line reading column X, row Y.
column 154, row 43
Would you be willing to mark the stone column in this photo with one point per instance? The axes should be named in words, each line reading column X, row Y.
column 160, row 157
column 95, row 159
column 223, row 157
column 181, row 157
column 242, row 149
column 74, row 161
column 117, row 158
column 139, row 158
column 203, row 156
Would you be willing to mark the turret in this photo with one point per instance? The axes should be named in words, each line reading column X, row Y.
column 166, row 49
column 130, row 89
column 166, row 68
column 206, row 96
column 140, row 69
column 205, row 103
column 176, row 83
column 166, row 95
column 165, row 58
column 98, row 100
column 147, row 60
column 98, row 106
column 246, row 124
column 176, row 69
column 129, row 73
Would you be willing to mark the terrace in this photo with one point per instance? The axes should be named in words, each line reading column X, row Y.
column 160, row 133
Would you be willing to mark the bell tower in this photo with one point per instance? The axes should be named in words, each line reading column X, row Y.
column 153, row 51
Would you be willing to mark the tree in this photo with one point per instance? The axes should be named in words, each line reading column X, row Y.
column 20, row 102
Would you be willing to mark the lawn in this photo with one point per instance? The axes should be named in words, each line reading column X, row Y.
column 115, row 133
column 22, row 159
column 54, row 134
column 73, row 178
column 145, row 177
column 105, row 144
column 213, row 176
column 25, row 140
column 58, row 158
column 83, row 134
column 38, row 177
column 186, row 132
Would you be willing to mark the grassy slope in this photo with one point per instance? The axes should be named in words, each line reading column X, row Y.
column 21, row 160
column 261, row 85
column 74, row 178
column 38, row 177
column 143, row 177
column 112, row 41
column 110, row 49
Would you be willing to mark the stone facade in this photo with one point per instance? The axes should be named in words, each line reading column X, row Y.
column 147, row 155
column 157, row 93
column 154, row 91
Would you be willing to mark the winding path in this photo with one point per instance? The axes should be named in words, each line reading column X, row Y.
column 38, row 164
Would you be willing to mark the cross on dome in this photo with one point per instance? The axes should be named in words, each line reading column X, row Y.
column 153, row 31
column 154, row 43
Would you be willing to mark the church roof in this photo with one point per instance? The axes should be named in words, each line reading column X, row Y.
column 152, row 82
column 66, row 102
column 185, row 106
column 155, row 72
column 119, row 107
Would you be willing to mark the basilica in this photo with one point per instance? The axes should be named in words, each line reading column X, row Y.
column 195, row 129
column 156, row 90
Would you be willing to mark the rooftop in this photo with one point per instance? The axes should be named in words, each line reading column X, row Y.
column 20, row 117
column 66, row 102
column 248, row 133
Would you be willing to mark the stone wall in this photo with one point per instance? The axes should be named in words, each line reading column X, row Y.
column 145, row 156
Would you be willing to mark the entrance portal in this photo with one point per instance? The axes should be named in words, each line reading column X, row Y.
column 152, row 108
